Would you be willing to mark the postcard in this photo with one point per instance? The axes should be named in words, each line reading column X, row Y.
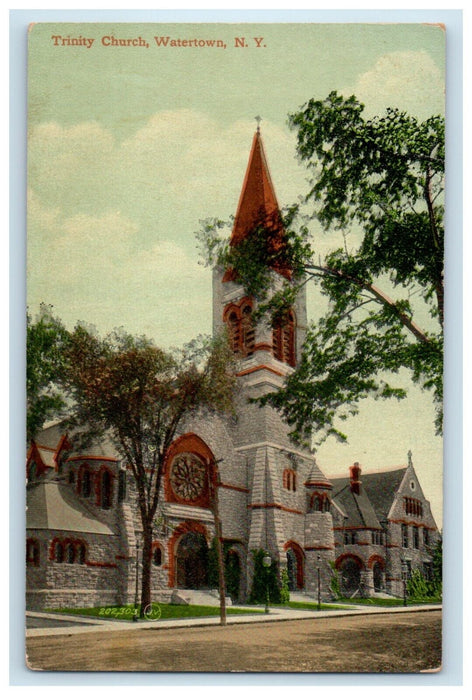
column 234, row 347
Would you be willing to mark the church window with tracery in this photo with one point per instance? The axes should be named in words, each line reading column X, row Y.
column 242, row 332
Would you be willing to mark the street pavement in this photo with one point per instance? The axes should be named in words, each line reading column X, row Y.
column 49, row 624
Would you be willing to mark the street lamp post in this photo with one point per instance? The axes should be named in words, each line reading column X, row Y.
column 404, row 579
column 136, row 592
column 319, row 581
column 266, row 562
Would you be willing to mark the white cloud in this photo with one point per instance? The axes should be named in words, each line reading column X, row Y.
column 409, row 80
column 111, row 225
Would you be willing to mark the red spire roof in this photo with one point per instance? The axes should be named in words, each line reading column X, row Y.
column 257, row 203
column 257, row 200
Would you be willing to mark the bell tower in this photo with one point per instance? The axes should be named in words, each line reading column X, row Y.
column 275, row 468
column 267, row 353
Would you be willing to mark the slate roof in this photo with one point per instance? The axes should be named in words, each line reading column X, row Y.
column 375, row 499
column 357, row 506
column 316, row 476
column 49, row 438
column 53, row 505
column 381, row 488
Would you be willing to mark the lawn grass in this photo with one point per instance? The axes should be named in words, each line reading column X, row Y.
column 164, row 611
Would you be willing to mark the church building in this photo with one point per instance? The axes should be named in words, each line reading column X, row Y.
column 83, row 528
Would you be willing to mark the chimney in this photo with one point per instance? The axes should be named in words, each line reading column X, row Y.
column 354, row 474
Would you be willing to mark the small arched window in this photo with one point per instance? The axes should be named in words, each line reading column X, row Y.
column 105, row 489
column 157, row 556
column 290, row 480
column 80, row 553
column 58, row 553
column 71, row 477
column 234, row 331
column 248, row 331
column 70, row 553
column 242, row 332
column 320, row 503
column 283, row 340
column 86, row 483
column 32, row 552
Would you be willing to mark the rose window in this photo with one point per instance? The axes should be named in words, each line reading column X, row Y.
column 187, row 477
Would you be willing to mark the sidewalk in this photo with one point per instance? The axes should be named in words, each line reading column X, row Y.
column 71, row 624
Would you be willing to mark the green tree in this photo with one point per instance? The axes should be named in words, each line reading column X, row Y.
column 265, row 580
column 379, row 184
column 139, row 396
column 46, row 342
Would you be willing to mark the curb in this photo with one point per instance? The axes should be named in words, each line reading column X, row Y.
column 95, row 625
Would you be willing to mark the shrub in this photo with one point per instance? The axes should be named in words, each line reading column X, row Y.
column 264, row 579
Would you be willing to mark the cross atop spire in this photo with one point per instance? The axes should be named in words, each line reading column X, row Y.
column 258, row 120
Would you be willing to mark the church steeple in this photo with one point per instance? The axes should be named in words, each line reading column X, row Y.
column 264, row 347
column 258, row 205
column 257, row 202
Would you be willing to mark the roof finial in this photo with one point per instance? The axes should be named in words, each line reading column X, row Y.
column 258, row 120
column 410, row 461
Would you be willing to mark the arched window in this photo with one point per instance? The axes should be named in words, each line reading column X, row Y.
column 70, row 553
column 32, row 552
column 242, row 333
column 122, row 485
column 80, row 553
column 247, row 331
column 289, row 480
column 71, row 477
column 58, row 553
column 157, row 555
column 283, row 340
column 105, row 489
column 320, row 503
column 316, row 502
column 234, row 331
column 86, row 483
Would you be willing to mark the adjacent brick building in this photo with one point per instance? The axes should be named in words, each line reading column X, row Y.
column 83, row 527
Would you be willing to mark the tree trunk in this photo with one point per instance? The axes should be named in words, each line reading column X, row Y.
column 146, row 569
column 214, row 482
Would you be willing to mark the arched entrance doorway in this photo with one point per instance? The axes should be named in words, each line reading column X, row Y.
column 350, row 570
column 377, row 576
column 295, row 568
column 192, row 561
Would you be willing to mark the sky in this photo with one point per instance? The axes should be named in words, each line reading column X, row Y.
column 129, row 147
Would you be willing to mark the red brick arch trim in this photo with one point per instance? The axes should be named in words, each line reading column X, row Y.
column 237, row 317
column 179, row 532
column 193, row 444
column 341, row 559
column 376, row 559
column 79, row 548
column 300, row 557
